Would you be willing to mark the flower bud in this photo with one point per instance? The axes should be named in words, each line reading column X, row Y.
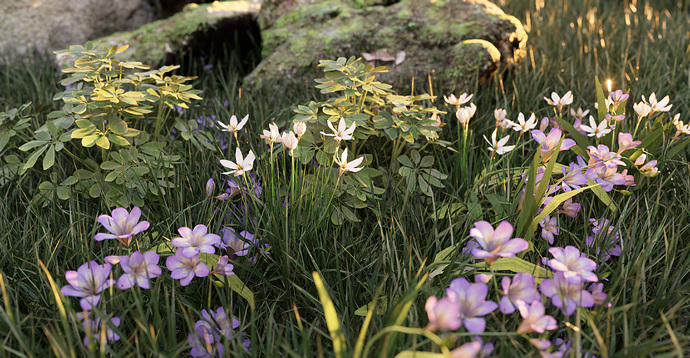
column 210, row 186
column 299, row 128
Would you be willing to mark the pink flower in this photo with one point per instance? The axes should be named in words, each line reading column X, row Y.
column 566, row 295
column 549, row 228
column 467, row 350
column 195, row 241
column 138, row 269
column 605, row 175
column 534, row 318
column 597, row 291
column 601, row 153
column 570, row 208
column 523, row 288
column 495, row 243
column 88, row 281
column 444, row 314
column 572, row 264
column 471, row 300
column 122, row 225
column 625, row 142
column 550, row 141
column 236, row 244
column 184, row 268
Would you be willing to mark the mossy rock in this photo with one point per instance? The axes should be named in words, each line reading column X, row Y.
column 451, row 39
column 195, row 28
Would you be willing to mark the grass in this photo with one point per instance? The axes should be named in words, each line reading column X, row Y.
column 642, row 46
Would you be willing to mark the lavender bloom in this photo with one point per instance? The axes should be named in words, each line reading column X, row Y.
column 495, row 243
column 566, row 295
column 210, row 186
column 224, row 267
column 625, row 142
column 209, row 332
column 573, row 178
column 195, row 241
column 597, row 291
column 523, row 288
column 549, row 228
column 202, row 341
column 88, row 281
column 572, row 264
column 550, row 141
column 606, row 176
column 237, row 185
column 618, row 97
column 236, row 245
column 95, row 326
column 138, row 269
column 122, row 225
column 443, row 314
column 610, row 240
column 602, row 154
column 184, row 268
column 471, row 300
column 534, row 318
column 569, row 208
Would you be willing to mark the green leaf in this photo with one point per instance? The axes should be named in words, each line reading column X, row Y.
column 677, row 148
column 63, row 192
column 558, row 200
column 381, row 307
column 117, row 125
column 601, row 100
column 405, row 160
column 337, row 335
column 110, row 165
column 32, row 144
column 34, row 157
column 604, row 197
column 103, row 142
column 418, row 354
column 49, row 159
column 582, row 141
column 518, row 265
column 449, row 210
column 116, row 139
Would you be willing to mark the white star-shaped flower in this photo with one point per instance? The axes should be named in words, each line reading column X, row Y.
column 523, row 126
column 241, row 164
column 499, row 147
column 557, row 101
column 464, row 98
column 596, row 131
column 346, row 166
column 342, row 133
column 233, row 126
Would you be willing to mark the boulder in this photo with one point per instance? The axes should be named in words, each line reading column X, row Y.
column 48, row 25
column 196, row 28
column 453, row 40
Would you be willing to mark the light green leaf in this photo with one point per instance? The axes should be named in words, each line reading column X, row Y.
column 339, row 344
column 381, row 307
column 49, row 159
column 518, row 265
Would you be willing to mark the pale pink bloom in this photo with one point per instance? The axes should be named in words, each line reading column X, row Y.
column 194, row 241
column 444, row 314
column 235, row 244
column 573, row 178
column 625, row 142
column 88, row 282
column 572, row 264
column 500, row 115
column 185, row 269
column 210, row 186
column 605, row 175
column 570, row 208
column 138, row 269
column 467, row 350
column 342, row 133
column 522, row 288
column 346, row 166
column 618, row 97
column 240, row 165
column 550, row 141
column 471, row 300
column 122, row 225
column 534, row 318
column 495, row 243
column 544, row 124
column 594, row 130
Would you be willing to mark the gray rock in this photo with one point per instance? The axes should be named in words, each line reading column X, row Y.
column 48, row 25
column 451, row 39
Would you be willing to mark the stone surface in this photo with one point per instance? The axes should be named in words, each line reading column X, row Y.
column 49, row 25
column 195, row 28
column 451, row 39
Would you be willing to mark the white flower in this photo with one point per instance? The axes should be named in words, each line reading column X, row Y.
column 343, row 133
column 642, row 109
column 240, row 165
column 466, row 113
column 558, row 101
column 579, row 113
column 346, row 166
column 596, row 131
column 233, row 126
column 464, row 98
column 300, row 128
column 499, row 147
column 660, row 106
column 523, row 126
column 290, row 141
column 272, row 135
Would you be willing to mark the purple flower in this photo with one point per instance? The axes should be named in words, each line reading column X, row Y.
column 195, row 241
column 609, row 240
column 618, row 97
column 206, row 340
column 224, row 267
column 184, row 268
column 573, row 178
column 88, row 281
column 566, row 295
column 138, row 269
column 605, row 175
column 550, row 141
column 534, row 318
column 122, row 225
column 602, row 154
column 625, row 142
column 467, row 350
column 523, row 288
column 549, row 228
column 597, row 291
column 210, row 186
column 444, row 314
column 495, row 243
column 94, row 326
column 471, row 300
column 236, row 245
column 572, row 264
column 570, row 208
